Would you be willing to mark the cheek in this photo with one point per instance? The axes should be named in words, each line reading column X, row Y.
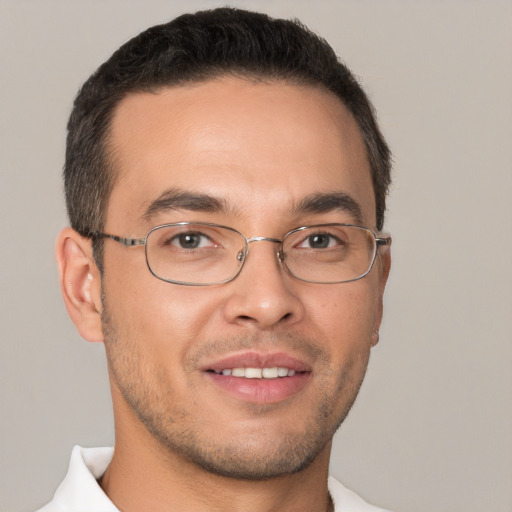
column 345, row 315
column 152, row 327
column 166, row 318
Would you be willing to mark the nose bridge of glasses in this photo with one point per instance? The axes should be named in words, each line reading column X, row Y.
column 263, row 239
column 266, row 239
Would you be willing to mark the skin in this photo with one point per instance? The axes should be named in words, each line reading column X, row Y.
column 183, row 443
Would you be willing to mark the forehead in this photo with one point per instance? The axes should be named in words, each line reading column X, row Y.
column 258, row 147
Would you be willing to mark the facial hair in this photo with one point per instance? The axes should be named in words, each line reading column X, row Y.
column 255, row 453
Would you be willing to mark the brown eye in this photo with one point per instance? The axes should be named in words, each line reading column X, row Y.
column 191, row 240
column 320, row 241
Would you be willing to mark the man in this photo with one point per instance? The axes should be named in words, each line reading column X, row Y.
column 225, row 182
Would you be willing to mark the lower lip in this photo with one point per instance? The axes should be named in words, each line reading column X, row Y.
column 264, row 391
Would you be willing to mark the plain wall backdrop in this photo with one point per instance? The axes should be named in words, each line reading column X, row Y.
column 432, row 427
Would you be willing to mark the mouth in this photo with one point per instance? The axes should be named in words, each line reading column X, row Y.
column 259, row 378
column 274, row 372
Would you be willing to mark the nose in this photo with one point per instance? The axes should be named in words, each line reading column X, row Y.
column 263, row 294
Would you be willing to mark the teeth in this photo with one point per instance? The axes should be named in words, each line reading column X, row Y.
column 259, row 373
column 253, row 373
column 270, row 373
column 282, row 372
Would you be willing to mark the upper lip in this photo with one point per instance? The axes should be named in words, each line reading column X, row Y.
column 254, row 359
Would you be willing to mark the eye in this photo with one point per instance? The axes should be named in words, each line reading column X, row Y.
column 320, row 241
column 191, row 240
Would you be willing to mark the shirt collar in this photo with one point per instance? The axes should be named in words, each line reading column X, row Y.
column 80, row 490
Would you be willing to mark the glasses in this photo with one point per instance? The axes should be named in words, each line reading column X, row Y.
column 204, row 254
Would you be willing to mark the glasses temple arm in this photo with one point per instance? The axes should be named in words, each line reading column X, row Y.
column 127, row 242
column 383, row 241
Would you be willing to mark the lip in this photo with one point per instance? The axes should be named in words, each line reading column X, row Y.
column 263, row 391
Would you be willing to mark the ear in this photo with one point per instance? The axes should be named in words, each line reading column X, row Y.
column 80, row 283
column 383, row 265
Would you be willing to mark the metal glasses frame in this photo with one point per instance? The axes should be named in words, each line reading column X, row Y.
column 242, row 255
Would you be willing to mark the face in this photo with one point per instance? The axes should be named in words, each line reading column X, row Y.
column 254, row 153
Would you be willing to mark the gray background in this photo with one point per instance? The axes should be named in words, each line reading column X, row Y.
column 432, row 429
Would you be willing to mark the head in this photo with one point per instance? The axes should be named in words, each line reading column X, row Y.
column 229, row 118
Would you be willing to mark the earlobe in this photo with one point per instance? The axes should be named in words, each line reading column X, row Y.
column 80, row 283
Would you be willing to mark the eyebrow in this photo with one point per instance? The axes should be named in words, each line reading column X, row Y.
column 318, row 203
column 329, row 202
column 176, row 199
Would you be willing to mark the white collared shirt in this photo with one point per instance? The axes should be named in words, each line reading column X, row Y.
column 80, row 491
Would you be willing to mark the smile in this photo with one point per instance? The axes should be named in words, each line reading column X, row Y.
column 258, row 373
column 256, row 377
